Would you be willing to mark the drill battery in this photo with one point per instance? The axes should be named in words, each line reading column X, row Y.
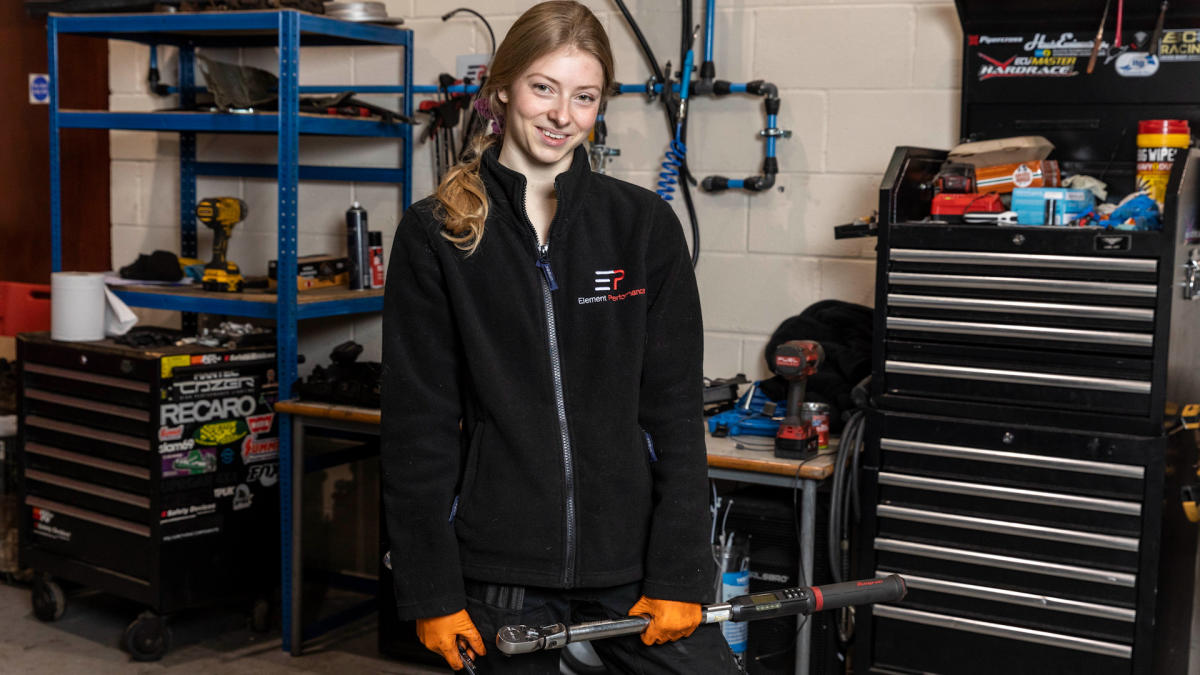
column 951, row 208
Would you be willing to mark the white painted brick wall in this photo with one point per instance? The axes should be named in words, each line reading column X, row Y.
column 856, row 78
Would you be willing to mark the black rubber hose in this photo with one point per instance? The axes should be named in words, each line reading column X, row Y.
column 447, row 15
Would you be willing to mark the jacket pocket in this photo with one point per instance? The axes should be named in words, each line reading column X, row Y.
column 470, row 469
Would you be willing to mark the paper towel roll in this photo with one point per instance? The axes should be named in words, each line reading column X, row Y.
column 77, row 306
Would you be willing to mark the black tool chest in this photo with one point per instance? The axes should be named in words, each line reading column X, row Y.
column 149, row 473
column 1020, row 471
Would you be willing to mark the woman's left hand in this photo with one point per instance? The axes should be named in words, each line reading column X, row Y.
column 669, row 620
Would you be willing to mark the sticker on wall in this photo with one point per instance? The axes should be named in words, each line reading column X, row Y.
column 39, row 89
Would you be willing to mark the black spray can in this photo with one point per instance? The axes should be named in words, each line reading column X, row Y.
column 356, row 248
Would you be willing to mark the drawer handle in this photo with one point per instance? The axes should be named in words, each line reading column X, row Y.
column 1020, row 284
column 1018, row 377
column 1104, row 337
column 88, row 488
column 1066, row 262
column 90, row 516
column 1017, row 458
column 87, row 432
column 983, row 490
column 1020, row 307
column 85, row 404
column 1108, row 541
column 1006, row 562
column 131, row 385
column 1016, row 597
column 1040, row 637
column 87, row 460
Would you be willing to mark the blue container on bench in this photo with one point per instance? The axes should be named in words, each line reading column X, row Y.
column 1031, row 204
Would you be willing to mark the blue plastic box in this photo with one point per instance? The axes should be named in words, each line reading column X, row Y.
column 1030, row 204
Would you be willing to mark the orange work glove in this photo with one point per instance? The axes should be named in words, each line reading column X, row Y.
column 441, row 634
column 669, row 620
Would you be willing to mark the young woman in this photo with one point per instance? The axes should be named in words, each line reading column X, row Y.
column 543, row 450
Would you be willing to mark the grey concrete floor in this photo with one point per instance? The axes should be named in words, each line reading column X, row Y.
column 86, row 641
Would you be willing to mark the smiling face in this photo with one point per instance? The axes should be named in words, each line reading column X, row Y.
column 549, row 110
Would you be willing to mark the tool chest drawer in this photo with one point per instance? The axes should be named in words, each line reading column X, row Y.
column 149, row 469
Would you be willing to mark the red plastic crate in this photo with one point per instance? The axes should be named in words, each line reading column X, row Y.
column 24, row 307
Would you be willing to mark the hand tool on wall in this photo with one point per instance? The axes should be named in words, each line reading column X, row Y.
column 522, row 639
column 796, row 361
column 221, row 214
column 1120, row 20
column 1099, row 38
column 1158, row 29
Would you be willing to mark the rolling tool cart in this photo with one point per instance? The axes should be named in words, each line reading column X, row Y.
column 1023, row 461
column 151, row 475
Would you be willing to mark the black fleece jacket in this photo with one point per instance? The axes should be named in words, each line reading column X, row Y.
column 575, row 374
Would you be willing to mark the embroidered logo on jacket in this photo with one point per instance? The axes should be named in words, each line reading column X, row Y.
column 608, row 280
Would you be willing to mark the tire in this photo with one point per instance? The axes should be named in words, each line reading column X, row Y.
column 147, row 638
column 49, row 601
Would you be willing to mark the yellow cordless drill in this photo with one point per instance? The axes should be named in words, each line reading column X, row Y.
column 220, row 214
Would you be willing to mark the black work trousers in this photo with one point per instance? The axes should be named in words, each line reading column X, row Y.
column 704, row 652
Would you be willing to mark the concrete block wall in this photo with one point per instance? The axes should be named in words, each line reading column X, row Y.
column 856, row 79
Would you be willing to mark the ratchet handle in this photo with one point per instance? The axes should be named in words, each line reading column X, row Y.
column 862, row 592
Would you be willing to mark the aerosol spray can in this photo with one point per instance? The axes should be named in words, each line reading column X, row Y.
column 376, row 258
column 735, row 581
column 356, row 247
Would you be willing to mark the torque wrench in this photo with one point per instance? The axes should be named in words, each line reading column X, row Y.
column 522, row 639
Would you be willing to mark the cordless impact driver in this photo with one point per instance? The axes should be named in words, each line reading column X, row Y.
column 796, row 361
column 221, row 214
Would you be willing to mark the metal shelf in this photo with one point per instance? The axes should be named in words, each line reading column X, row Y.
column 286, row 31
column 225, row 29
column 258, row 123
column 312, row 304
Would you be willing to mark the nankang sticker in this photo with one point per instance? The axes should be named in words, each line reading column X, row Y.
column 254, row 450
column 221, row 433
column 1180, row 45
column 190, row 412
column 193, row 463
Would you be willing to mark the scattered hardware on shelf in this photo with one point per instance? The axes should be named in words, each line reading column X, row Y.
column 313, row 271
column 346, row 380
column 230, row 334
column 141, row 337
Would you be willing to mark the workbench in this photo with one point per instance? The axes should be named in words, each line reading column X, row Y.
column 726, row 460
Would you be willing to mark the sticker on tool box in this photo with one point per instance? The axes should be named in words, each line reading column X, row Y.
column 260, row 424
column 170, row 433
column 207, row 410
column 43, row 525
column 243, row 498
column 1180, row 45
column 170, row 363
column 1113, row 242
column 221, row 433
column 176, row 514
column 194, row 462
column 188, row 522
column 207, row 384
column 265, row 474
column 175, row 447
column 255, row 450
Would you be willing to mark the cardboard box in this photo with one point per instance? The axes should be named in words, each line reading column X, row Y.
column 314, row 271
column 1002, row 151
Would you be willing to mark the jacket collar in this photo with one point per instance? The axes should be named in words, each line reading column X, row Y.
column 506, row 186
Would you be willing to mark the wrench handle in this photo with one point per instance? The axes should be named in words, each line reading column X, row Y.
column 596, row 630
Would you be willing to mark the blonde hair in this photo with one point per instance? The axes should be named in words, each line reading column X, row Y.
column 542, row 29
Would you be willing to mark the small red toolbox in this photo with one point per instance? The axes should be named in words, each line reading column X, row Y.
column 24, row 307
column 951, row 207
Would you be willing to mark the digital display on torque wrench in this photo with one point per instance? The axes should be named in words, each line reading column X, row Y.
column 765, row 601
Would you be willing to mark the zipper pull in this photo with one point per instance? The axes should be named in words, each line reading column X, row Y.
column 543, row 263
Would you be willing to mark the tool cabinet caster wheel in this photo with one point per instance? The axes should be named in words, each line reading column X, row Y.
column 260, row 616
column 147, row 638
column 49, row 601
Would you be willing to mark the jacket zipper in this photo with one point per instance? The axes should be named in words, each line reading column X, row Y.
column 549, row 284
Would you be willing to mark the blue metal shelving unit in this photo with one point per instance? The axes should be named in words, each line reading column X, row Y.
column 286, row 30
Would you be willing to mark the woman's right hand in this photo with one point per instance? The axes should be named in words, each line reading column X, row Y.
column 441, row 634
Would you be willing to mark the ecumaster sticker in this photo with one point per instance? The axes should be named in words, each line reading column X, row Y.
column 1180, row 45
column 221, row 433
column 1044, row 65
column 192, row 463
column 254, row 450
